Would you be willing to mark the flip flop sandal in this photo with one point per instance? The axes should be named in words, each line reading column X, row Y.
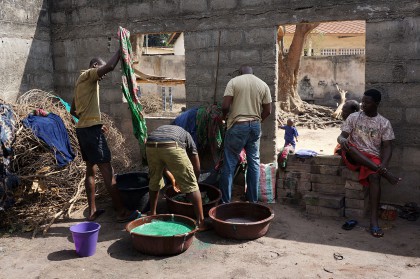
column 349, row 225
column 376, row 232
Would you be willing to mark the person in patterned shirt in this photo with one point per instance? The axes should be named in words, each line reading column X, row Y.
column 365, row 139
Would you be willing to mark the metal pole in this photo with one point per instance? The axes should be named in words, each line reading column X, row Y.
column 164, row 98
column 217, row 68
column 170, row 98
column 147, row 43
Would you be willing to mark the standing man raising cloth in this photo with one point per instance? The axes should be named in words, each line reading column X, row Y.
column 173, row 148
column 366, row 146
column 92, row 141
column 246, row 103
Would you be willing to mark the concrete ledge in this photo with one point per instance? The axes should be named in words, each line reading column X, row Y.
column 327, row 160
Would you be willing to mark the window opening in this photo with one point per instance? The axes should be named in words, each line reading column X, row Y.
column 159, row 66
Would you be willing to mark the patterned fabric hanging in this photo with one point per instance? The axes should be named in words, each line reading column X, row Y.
column 129, row 88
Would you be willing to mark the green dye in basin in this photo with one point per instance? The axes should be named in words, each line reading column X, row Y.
column 162, row 228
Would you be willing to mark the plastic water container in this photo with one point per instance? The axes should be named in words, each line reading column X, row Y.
column 134, row 190
column 85, row 238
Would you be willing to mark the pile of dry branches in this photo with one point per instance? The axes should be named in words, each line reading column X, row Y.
column 314, row 117
column 45, row 191
column 151, row 103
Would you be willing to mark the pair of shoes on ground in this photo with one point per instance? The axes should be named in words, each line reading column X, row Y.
column 375, row 231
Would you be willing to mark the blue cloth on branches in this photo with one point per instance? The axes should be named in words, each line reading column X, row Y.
column 52, row 131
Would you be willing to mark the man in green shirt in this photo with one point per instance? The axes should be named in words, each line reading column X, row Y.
column 92, row 141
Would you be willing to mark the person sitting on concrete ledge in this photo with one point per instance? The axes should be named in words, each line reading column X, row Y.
column 366, row 138
column 349, row 107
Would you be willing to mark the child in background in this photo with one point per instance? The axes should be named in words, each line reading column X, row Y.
column 290, row 133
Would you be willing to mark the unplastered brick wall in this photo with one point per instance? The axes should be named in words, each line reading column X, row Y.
column 320, row 174
column 323, row 186
column 248, row 27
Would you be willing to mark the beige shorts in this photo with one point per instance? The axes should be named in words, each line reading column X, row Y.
column 176, row 160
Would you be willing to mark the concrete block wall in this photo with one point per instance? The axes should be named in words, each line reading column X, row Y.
column 324, row 186
column 393, row 66
column 25, row 48
column 82, row 28
column 171, row 66
column 255, row 47
column 317, row 183
column 318, row 76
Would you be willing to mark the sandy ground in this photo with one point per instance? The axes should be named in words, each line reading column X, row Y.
column 323, row 141
column 296, row 246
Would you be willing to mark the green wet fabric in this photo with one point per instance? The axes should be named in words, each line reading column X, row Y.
column 162, row 228
column 210, row 130
column 129, row 89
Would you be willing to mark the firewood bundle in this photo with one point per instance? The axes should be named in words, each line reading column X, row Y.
column 45, row 191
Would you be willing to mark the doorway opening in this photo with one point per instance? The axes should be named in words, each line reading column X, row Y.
column 320, row 65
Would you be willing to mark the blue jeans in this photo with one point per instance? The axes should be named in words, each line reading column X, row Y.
column 244, row 135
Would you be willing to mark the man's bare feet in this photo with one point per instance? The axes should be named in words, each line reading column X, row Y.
column 394, row 180
column 95, row 215
column 205, row 225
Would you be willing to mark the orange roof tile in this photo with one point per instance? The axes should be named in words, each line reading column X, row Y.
column 337, row 27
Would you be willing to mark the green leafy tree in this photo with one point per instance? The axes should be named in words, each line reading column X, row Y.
column 157, row 40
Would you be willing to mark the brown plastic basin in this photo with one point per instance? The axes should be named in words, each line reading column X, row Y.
column 162, row 245
column 187, row 209
column 241, row 220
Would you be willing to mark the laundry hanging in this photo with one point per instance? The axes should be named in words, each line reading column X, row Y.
column 129, row 88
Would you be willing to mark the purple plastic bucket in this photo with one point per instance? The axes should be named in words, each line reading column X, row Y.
column 85, row 237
